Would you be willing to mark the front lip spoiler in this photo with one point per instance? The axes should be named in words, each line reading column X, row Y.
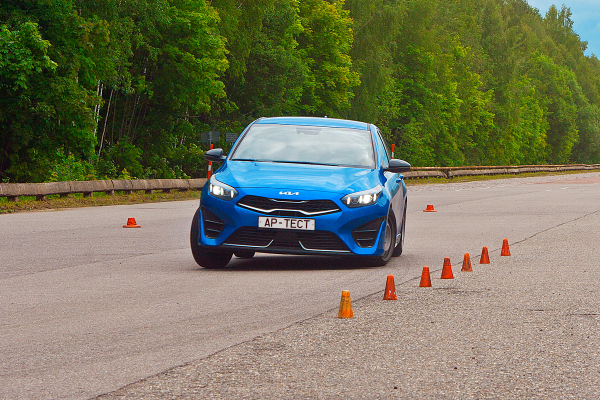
column 303, row 251
column 328, row 251
column 247, row 245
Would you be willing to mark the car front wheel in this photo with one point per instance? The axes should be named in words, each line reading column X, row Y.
column 400, row 246
column 211, row 259
column 389, row 241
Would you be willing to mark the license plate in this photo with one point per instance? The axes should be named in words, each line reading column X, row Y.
column 286, row 223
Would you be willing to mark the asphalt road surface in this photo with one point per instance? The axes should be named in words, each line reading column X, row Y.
column 87, row 307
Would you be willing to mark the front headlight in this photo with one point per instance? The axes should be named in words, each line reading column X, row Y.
column 365, row 198
column 221, row 190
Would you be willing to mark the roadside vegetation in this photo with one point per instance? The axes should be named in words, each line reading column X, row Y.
column 95, row 89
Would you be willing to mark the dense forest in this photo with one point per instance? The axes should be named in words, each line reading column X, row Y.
column 94, row 89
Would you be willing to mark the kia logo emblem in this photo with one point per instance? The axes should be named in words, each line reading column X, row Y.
column 288, row 193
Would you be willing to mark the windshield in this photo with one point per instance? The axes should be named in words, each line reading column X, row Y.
column 306, row 145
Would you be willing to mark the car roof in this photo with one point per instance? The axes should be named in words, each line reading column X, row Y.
column 315, row 121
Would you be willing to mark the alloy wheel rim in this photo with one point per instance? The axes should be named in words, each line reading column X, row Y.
column 388, row 239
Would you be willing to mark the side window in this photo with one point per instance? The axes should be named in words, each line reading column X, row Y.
column 387, row 155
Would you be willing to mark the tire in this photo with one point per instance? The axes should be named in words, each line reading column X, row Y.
column 243, row 254
column 389, row 241
column 398, row 250
column 205, row 258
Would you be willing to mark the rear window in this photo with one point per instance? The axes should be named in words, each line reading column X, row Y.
column 306, row 145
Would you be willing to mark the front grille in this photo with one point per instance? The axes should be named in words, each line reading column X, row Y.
column 288, row 208
column 321, row 240
column 365, row 235
column 213, row 226
column 251, row 236
column 274, row 239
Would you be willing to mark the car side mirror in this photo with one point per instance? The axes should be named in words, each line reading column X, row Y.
column 215, row 155
column 397, row 166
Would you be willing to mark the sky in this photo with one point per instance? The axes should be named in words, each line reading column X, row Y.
column 586, row 19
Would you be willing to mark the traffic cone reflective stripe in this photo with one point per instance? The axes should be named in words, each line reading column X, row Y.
column 485, row 257
column 390, row 289
column 447, row 269
column 505, row 248
column 467, row 267
column 345, row 306
column 425, row 278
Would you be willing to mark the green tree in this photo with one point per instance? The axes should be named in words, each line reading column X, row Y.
column 377, row 24
column 552, row 82
column 55, row 109
column 587, row 150
column 158, row 95
column 325, row 45
column 273, row 82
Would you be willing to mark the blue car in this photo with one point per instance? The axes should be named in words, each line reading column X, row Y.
column 302, row 185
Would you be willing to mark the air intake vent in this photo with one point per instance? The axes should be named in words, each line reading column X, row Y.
column 277, row 239
column 213, row 226
column 365, row 235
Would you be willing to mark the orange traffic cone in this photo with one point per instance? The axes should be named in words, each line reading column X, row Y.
column 345, row 306
column 505, row 248
column 390, row 289
column 485, row 257
column 429, row 208
column 131, row 223
column 467, row 267
column 447, row 269
column 425, row 278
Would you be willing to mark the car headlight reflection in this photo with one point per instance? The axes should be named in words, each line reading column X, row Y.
column 221, row 190
column 361, row 199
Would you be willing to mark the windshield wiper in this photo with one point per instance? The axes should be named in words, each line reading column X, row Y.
column 304, row 162
column 248, row 159
column 296, row 162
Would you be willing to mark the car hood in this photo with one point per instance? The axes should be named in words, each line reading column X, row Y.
column 283, row 176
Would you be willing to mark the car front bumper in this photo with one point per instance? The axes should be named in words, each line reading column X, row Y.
column 235, row 228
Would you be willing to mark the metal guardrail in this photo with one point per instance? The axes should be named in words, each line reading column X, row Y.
column 452, row 172
column 41, row 190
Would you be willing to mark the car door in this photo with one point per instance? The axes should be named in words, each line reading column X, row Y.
column 393, row 182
